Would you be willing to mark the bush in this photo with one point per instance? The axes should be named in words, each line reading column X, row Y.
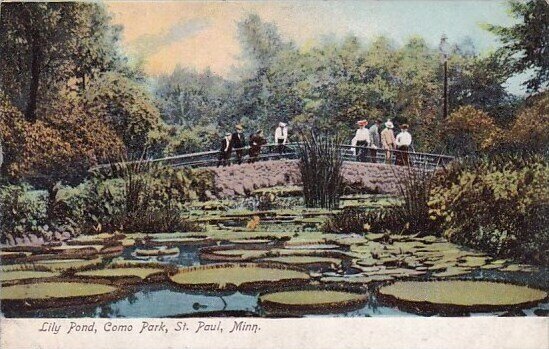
column 22, row 211
column 41, row 152
column 469, row 131
column 320, row 167
column 531, row 128
column 498, row 205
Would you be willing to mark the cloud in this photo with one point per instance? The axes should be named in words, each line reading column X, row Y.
column 149, row 44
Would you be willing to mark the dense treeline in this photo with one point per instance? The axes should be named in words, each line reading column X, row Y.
column 69, row 95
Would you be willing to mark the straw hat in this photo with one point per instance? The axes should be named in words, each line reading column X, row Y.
column 281, row 124
column 227, row 134
column 389, row 124
column 239, row 127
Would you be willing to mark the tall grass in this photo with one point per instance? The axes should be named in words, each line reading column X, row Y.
column 409, row 217
column 320, row 166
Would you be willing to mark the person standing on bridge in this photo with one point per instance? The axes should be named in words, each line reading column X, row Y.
column 403, row 142
column 375, row 138
column 388, row 140
column 281, row 137
column 225, row 151
column 361, row 140
column 238, row 143
column 256, row 142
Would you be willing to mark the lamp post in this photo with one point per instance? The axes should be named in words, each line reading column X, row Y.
column 444, row 52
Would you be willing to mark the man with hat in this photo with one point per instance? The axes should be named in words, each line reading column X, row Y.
column 403, row 142
column 375, row 138
column 238, row 143
column 225, row 151
column 256, row 141
column 361, row 139
column 281, row 136
column 388, row 140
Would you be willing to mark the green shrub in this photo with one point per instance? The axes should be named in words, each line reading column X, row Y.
column 22, row 210
column 498, row 205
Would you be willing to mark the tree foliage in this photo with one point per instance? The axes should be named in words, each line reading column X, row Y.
column 525, row 44
column 49, row 46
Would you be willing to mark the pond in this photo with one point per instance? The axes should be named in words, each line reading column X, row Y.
column 290, row 241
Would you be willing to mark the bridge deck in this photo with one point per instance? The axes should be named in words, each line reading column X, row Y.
column 291, row 151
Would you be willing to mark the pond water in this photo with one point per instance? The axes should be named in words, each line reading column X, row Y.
column 165, row 299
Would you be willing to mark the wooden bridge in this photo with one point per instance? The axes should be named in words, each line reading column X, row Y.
column 290, row 151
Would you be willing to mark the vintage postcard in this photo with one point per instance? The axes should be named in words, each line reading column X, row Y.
column 274, row 174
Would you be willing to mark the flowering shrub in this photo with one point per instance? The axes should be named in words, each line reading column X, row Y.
column 499, row 205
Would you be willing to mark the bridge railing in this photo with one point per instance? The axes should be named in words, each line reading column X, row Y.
column 290, row 151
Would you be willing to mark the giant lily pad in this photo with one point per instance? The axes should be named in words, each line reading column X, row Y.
column 157, row 252
column 19, row 275
column 64, row 264
column 122, row 273
column 305, row 260
column 237, row 276
column 230, row 254
column 454, row 297
column 311, row 301
column 56, row 294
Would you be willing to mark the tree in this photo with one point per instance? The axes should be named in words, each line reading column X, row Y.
column 525, row 44
column 45, row 45
column 127, row 107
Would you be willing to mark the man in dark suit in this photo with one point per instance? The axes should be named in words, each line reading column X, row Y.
column 238, row 142
column 256, row 142
column 225, row 151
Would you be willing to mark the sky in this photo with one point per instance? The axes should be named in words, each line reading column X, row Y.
column 203, row 34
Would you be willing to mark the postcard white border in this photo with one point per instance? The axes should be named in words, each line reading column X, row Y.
column 317, row 333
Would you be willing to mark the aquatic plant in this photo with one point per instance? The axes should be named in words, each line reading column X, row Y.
column 320, row 166
column 238, row 276
column 311, row 301
column 458, row 296
column 57, row 294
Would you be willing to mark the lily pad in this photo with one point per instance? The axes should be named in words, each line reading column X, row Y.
column 454, row 297
column 57, row 294
column 64, row 264
column 305, row 260
column 141, row 273
column 231, row 255
column 311, row 301
column 358, row 279
column 452, row 271
column 157, row 252
column 18, row 275
column 238, row 276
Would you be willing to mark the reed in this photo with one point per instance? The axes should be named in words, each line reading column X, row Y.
column 320, row 166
